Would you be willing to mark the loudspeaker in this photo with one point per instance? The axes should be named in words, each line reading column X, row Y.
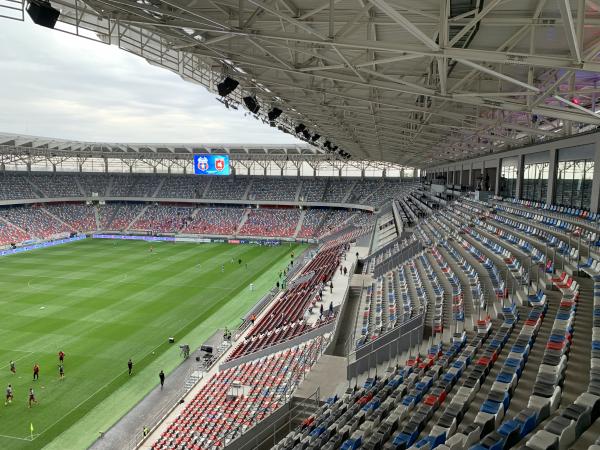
column 274, row 114
column 299, row 128
column 227, row 86
column 251, row 104
column 206, row 348
column 315, row 137
column 306, row 134
column 43, row 14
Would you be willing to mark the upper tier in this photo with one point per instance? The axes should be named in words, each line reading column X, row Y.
column 24, row 187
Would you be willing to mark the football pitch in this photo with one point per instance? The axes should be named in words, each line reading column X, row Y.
column 103, row 302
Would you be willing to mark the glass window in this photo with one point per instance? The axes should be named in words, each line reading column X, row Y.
column 535, row 181
column 508, row 179
column 574, row 183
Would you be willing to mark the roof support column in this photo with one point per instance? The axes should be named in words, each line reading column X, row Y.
column 471, row 176
column 498, row 177
column 520, row 168
column 595, row 200
column 552, row 167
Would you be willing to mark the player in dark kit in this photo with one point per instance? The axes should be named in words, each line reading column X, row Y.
column 31, row 397
column 161, row 377
column 36, row 372
column 130, row 365
column 9, row 395
column 61, row 371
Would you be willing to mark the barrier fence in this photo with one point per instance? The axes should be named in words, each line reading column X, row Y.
column 386, row 347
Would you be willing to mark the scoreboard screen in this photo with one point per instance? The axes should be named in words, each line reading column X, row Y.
column 211, row 165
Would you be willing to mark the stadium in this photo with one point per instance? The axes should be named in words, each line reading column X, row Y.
column 419, row 269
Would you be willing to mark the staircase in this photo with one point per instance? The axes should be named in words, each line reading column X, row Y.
column 137, row 217
column 300, row 222
column 192, row 380
column 160, row 184
column 244, row 218
column 349, row 193
column 298, row 190
column 36, row 189
column 58, row 219
column 80, row 187
column 97, row 216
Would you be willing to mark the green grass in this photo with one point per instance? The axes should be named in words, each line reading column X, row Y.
column 102, row 302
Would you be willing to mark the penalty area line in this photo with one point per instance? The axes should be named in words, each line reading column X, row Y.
column 28, row 439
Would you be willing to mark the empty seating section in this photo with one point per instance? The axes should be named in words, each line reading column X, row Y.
column 313, row 190
column 236, row 399
column 387, row 253
column 285, row 318
column 35, row 222
column 94, row 183
column 389, row 411
column 163, row 219
column 338, row 219
column 226, row 188
column 388, row 302
column 79, row 217
column 271, row 188
column 338, row 190
column 129, row 185
column 271, row 222
column 222, row 221
column 181, row 186
column 15, row 186
column 118, row 216
column 10, row 234
column 464, row 401
column 312, row 222
column 57, row 185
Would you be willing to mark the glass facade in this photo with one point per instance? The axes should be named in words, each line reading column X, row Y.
column 508, row 179
column 535, row 181
column 574, row 183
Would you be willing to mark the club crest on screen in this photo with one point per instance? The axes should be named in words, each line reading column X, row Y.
column 203, row 164
column 219, row 164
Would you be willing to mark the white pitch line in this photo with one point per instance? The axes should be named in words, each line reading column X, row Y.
column 15, row 437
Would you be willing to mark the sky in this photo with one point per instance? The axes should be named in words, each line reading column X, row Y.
column 53, row 84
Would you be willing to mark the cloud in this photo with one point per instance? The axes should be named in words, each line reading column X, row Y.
column 56, row 85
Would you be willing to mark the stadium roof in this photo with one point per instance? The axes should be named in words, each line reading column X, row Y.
column 408, row 81
column 66, row 146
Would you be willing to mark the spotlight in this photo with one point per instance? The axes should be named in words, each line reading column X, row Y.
column 315, row 137
column 274, row 114
column 299, row 128
column 251, row 104
column 42, row 13
column 227, row 86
